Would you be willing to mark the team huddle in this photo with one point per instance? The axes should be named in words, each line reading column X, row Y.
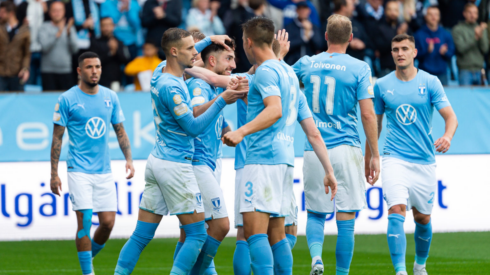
column 188, row 93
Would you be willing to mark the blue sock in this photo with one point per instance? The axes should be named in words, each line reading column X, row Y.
column 208, row 251
column 195, row 237
column 397, row 241
column 85, row 259
column 261, row 254
column 241, row 259
column 211, row 270
column 96, row 248
column 314, row 233
column 423, row 238
column 292, row 240
column 177, row 249
column 283, row 259
column 345, row 246
column 131, row 251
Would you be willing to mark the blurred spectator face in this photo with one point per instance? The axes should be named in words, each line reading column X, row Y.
column 243, row 3
column 303, row 13
column 349, row 8
column 403, row 53
column 4, row 15
column 149, row 50
column 90, row 71
column 375, row 3
column 225, row 62
column 107, row 27
column 57, row 12
column 392, row 10
column 471, row 15
column 202, row 4
column 433, row 16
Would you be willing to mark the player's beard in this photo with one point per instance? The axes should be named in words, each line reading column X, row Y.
column 91, row 84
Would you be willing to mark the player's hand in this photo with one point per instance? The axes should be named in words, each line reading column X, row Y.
column 233, row 138
column 220, row 39
column 330, row 181
column 130, row 167
column 231, row 96
column 372, row 170
column 283, row 39
column 240, row 84
column 442, row 145
column 56, row 185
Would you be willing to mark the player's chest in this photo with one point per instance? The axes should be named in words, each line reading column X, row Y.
column 96, row 110
column 412, row 97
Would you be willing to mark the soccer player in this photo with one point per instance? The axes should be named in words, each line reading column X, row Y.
column 408, row 97
column 171, row 186
column 334, row 84
column 86, row 111
column 267, row 178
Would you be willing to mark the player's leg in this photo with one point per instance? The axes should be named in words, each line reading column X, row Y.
column 180, row 243
column 103, row 232
column 423, row 239
column 397, row 240
column 291, row 234
column 241, row 257
column 281, row 250
column 318, row 205
column 345, row 241
column 291, row 222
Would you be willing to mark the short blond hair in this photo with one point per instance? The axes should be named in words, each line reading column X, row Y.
column 339, row 29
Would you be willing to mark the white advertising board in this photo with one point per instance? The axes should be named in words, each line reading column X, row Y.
column 29, row 211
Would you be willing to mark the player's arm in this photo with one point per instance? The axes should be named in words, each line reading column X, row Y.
column 209, row 76
column 125, row 146
column 442, row 144
column 58, row 132
column 231, row 95
column 369, row 123
column 283, row 39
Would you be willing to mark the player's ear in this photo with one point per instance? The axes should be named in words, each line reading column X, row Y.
column 79, row 70
column 212, row 60
column 173, row 51
column 351, row 37
column 415, row 52
column 326, row 36
column 249, row 42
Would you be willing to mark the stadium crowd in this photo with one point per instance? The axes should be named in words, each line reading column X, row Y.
column 40, row 40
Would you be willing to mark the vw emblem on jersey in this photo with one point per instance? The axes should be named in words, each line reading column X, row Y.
column 95, row 127
column 406, row 114
column 218, row 128
column 216, row 203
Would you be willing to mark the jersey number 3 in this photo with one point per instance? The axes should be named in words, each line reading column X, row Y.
column 330, row 82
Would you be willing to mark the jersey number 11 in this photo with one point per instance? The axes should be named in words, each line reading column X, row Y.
column 330, row 82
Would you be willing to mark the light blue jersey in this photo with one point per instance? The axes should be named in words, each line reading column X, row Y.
column 273, row 145
column 88, row 118
column 334, row 83
column 208, row 144
column 409, row 106
column 171, row 101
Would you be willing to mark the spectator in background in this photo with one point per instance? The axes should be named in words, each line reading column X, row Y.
column 126, row 15
column 34, row 16
column 86, row 16
column 360, row 41
column 388, row 28
column 411, row 11
column 305, row 37
column 451, row 12
column 204, row 19
column 159, row 16
column 289, row 10
column 58, row 40
column 435, row 46
column 372, row 10
column 15, row 54
column 143, row 64
column 471, row 40
column 112, row 54
column 233, row 24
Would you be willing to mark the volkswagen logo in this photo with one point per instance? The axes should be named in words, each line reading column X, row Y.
column 95, row 127
column 406, row 114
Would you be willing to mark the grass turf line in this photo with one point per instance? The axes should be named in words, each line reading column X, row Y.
column 451, row 253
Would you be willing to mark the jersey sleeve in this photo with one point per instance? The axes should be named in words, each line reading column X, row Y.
column 266, row 82
column 365, row 85
column 117, row 113
column 225, row 124
column 379, row 104
column 303, row 109
column 199, row 95
column 297, row 69
column 438, row 97
column 61, row 111
column 174, row 100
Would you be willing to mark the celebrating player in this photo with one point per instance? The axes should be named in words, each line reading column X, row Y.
column 408, row 96
column 87, row 110
column 267, row 178
column 171, row 186
column 334, row 83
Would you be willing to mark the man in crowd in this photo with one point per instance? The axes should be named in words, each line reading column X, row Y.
column 435, row 46
column 471, row 40
column 58, row 39
column 15, row 54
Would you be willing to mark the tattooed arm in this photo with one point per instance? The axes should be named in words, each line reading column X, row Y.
column 125, row 146
column 55, row 157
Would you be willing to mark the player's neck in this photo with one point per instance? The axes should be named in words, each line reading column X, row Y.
column 174, row 68
column 88, row 89
column 263, row 54
column 337, row 48
column 406, row 74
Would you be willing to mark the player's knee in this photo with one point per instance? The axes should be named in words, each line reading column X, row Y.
column 398, row 209
column 422, row 218
column 84, row 223
column 107, row 225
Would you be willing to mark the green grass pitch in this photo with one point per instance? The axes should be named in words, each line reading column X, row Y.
column 451, row 253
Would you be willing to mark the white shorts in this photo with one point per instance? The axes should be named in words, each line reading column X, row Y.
column 211, row 193
column 266, row 188
column 92, row 191
column 292, row 218
column 238, row 181
column 217, row 170
column 171, row 187
column 410, row 184
column 348, row 166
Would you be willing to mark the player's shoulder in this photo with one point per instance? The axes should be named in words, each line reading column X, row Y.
column 69, row 94
column 196, row 86
column 387, row 79
column 107, row 92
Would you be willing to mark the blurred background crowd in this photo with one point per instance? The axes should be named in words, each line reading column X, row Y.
column 40, row 40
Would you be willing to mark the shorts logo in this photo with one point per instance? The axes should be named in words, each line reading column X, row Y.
column 249, row 185
column 216, row 203
column 95, row 127
column 406, row 114
column 198, row 198
column 72, row 199
column 431, row 198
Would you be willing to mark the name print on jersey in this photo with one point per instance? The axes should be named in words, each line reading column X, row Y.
column 321, row 65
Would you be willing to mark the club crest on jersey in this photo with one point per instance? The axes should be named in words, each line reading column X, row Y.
column 198, row 198
column 107, row 102
column 422, row 90
column 216, row 204
column 95, row 127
